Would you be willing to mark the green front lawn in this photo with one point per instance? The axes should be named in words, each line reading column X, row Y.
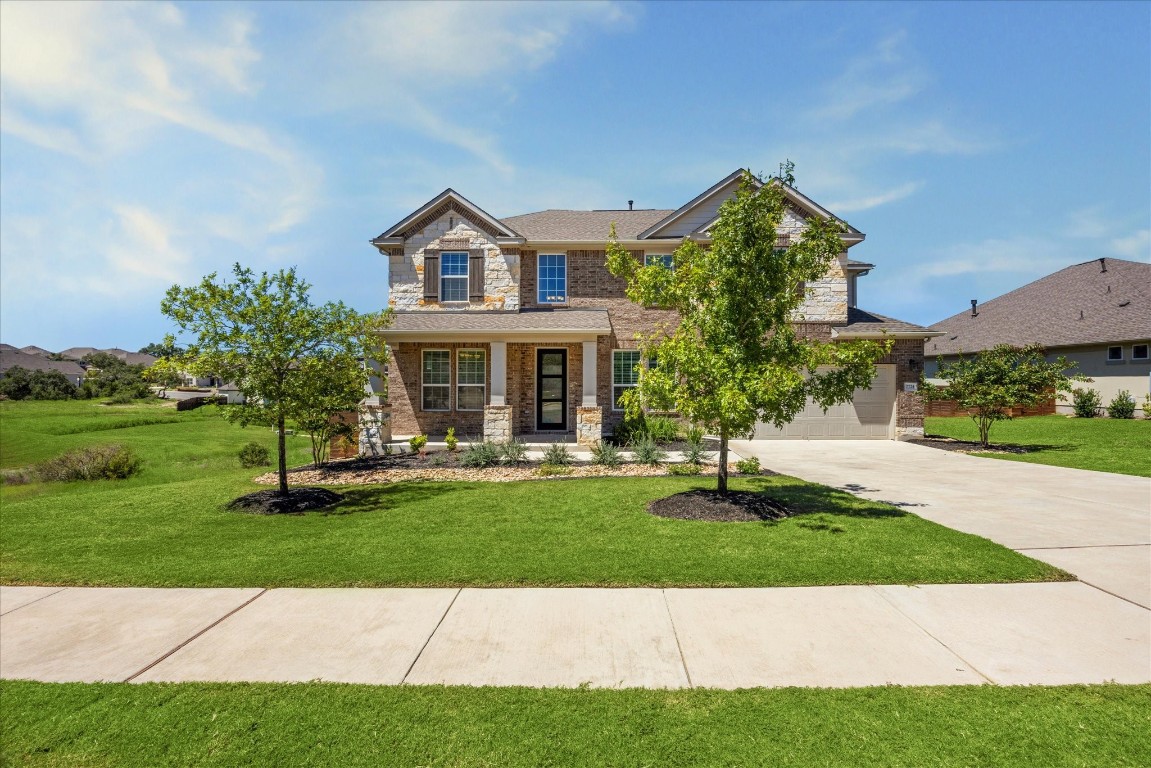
column 167, row 526
column 1104, row 445
column 120, row 724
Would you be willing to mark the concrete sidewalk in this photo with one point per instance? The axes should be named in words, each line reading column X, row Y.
column 1008, row 634
column 1096, row 525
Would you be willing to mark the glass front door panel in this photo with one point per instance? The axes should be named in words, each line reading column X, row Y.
column 551, row 389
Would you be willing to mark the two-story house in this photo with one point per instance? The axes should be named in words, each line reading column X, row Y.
column 514, row 327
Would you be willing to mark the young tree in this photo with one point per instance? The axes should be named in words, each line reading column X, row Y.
column 991, row 383
column 109, row 376
column 331, row 382
column 261, row 333
column 735, row 357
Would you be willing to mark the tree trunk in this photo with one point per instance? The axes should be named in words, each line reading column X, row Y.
column 984, row 431
column 283, row 459
column 723, row 461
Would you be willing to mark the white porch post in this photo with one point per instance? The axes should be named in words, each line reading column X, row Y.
column 589, row 374
column 499, row 372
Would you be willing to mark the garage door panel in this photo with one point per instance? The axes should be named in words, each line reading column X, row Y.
column 867, row 417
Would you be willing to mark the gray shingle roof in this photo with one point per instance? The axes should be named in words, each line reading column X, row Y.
column 14, row 358
column 860, row 321
column 583, row 225
column 579, row 320
column 1081, row 304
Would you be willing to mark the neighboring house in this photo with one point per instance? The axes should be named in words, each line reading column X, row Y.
column 34, row 350
column 1097, row 314
column 514, row 327
column 10, row 357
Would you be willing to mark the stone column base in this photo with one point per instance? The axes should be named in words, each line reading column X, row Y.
column 909, row 433
column 589, row 425
column 375, row 429
column 497, row 423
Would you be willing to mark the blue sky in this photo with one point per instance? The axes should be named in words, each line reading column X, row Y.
column 979, row 145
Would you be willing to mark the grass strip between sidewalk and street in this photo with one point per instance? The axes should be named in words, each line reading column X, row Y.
column 121, row 724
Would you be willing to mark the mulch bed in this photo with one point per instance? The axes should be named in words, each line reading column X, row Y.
column 967, row 446
column 712, row 506
column 297, row 501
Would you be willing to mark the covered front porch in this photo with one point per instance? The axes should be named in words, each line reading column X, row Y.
column 534, row 376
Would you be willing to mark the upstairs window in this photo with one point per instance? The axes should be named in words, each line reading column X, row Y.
column 552, row 279
column 471, row 368
column 454, row 277
column 1114, row 354
column 1139, row 352
column 624, row 374
column 436, row 380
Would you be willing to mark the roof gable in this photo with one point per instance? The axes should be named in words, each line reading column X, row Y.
column 698, row 215
column 448, row 200
column 1097, row 302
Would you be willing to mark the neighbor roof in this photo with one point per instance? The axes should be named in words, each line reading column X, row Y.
column 583, row 225
column 14, row 358
column 1096, row 302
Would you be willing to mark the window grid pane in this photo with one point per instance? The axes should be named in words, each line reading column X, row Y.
column 666, row 259
column 470, row 379
column 436, row 380
column 624, row 364
column 454, row 277
column 1139, row 352
column 552, row 286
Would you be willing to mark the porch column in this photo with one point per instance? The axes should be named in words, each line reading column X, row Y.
column 589, row 374
column 497, row 415
column 499, row 372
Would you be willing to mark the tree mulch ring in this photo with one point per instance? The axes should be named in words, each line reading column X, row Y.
column 713, row 506
column 967, row 446
column 298, row 500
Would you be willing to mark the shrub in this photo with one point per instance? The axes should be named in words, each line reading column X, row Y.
column 546, row 469
column 647, row 451
column 694, row 453
column 17, row 476
column 558, row 454
column 1147, row 406
column 451, row 440
column 606, row 455
column 480, row 454
column 418, row 443
column 1122, row 406
column 438, row 460
column 683, row 469
column 96, row 462
column 121, row 398
column 662, row 429
column 629, row 430
column 255, row 455
column 748, row 466
column 513, row 451
column 1086, row 403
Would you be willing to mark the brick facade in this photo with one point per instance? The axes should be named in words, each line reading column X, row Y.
column 405, row 393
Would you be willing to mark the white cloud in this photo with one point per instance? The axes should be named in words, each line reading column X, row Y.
column 876, row 200
column 1136, row 246
column 880, row 77
column 444, row 67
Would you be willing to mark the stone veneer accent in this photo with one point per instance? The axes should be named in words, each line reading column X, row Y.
column 452, row 232
column 589, row 425
column 497, row 423
column 375, row 429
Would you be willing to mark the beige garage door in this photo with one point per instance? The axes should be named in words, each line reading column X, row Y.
column 867, row 417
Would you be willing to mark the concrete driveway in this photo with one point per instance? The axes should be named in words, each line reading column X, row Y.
column 1096, row 525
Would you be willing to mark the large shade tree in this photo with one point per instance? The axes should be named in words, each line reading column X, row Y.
column 264, row 334
column 736, row 356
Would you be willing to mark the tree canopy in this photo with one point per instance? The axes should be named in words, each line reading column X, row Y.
column 736, row 356
column 988, row 385
column 265, row 335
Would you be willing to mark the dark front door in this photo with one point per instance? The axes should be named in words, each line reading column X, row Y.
column 551, row 389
